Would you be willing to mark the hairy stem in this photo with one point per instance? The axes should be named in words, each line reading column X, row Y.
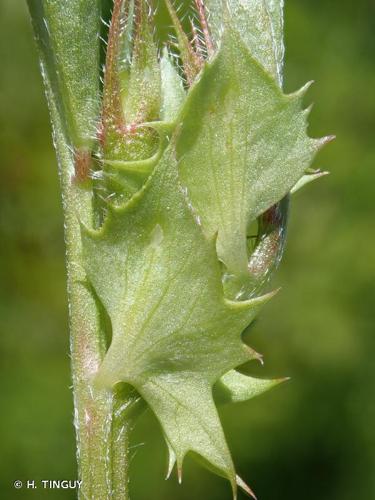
column 102, row 418
column 102, row 434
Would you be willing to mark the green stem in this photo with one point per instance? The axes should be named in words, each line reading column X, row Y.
column 102, row 434
column 102, row 419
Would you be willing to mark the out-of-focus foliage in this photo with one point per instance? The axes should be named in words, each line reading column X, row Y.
column 311, row 438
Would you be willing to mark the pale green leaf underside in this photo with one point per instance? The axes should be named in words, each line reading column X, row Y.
column 171, row 323
column 260, row 25
column 242, row 147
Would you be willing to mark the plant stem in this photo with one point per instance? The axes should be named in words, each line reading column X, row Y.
column 102, row 435
column 103, row 419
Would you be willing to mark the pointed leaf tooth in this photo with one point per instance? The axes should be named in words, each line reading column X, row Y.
column 300, row 93
column 306, row 179
column 171, row 459
column 179, row 474
column 253, row 304
column 308, row 110
column 252, row 355
column 235, row 387
column 244, row 487
column 320, row 143
column 260, row 359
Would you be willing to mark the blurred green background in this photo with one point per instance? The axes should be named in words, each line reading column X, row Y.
column 312, row 438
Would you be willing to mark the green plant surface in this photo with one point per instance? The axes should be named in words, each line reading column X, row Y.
column 170, row 117
column 137, row 182
column 315, row 431
column 73, row 95
column 237, row 116
column 260, row 24
column 167, row 344
column 71, row 58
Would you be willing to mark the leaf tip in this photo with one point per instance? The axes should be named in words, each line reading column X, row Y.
column 245, row 487
column 320, row 143
column 300, row 93
column 179, row 474
column 306, row 112
column 307, row 178
column 253, row 355
column 259, row 357
column 171, row 460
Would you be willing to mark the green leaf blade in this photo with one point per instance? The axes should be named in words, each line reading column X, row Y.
column 170, row 320
column 185, row 408
column 247, row 141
